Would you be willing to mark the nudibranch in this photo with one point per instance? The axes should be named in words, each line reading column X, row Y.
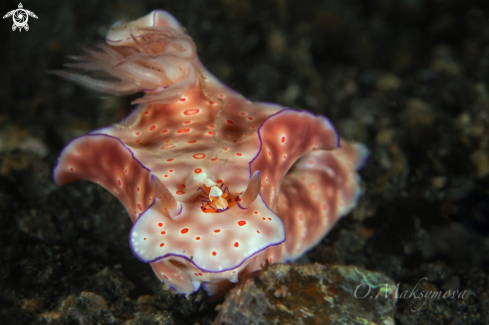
column 215, row 184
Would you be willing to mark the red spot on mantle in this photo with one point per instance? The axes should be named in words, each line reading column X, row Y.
column 183, row 130
column 199, row 156
column 160, row 224
column 152, row 128
column 180, row 192
column 184, row 230
column 242, row 223
column 214, row 253
column 191, row 112
column 236, row 244
column 198, row 170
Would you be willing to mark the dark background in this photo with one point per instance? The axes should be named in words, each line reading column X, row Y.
column 407, row 78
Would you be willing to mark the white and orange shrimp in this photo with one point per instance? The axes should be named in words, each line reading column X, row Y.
column 216, row 199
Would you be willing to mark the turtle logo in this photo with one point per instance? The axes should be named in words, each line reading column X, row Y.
column 20, row 17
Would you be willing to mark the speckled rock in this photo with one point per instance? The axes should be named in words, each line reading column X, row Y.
column 87, row 306
column 310, row 294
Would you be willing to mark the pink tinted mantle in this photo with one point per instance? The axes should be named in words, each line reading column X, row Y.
column 213, row 130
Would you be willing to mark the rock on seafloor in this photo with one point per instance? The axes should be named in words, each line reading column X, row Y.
column 310, row 294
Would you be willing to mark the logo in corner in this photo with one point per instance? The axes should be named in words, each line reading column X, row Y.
column 20, row 17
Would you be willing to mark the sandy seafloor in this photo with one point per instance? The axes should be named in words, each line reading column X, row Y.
column 407, row 78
